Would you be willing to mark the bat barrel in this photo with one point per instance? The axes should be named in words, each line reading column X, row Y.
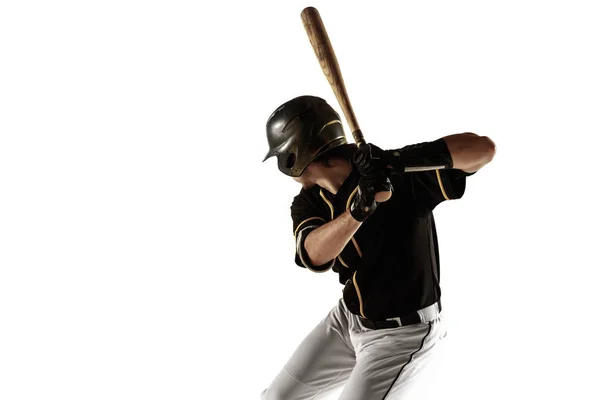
column 319, row 40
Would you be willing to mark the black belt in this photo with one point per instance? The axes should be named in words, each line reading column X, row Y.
column 409, row 319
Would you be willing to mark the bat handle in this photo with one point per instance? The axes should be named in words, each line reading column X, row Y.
column 359, row 138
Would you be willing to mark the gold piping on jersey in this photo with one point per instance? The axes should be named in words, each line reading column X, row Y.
column 342, row 261
column 305, row 221
column 350, row 197
column 328, row 202
column 437, row 172
column 359, row 296
column 357, row 248
column 347, row 208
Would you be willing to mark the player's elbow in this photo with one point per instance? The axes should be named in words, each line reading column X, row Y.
column 470, row 151
column 483, row 150
column 488, row 148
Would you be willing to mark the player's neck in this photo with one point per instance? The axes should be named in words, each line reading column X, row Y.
column 333, row 177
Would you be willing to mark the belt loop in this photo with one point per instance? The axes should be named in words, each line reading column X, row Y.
column 421, row 316
column 397, row 319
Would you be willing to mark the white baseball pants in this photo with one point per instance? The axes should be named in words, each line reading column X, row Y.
column 371, row 364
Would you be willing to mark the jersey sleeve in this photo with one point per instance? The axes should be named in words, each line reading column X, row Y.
column 430, row 188
column 305, row 219
column 434, row 187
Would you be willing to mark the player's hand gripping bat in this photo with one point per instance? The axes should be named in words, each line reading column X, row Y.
column 329, row 65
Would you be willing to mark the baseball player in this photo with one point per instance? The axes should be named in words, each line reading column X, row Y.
column 383, row 329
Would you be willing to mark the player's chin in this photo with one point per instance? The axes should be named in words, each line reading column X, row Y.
column 305, row 183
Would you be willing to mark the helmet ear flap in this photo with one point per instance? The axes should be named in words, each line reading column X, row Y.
column 291, row 161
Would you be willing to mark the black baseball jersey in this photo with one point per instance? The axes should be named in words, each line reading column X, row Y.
column 391, row 266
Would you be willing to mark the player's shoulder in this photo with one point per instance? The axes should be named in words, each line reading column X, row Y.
column 308, row 203
column 378, row 151
column 307, row 196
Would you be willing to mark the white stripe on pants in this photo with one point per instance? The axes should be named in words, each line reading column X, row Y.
column 373, row 364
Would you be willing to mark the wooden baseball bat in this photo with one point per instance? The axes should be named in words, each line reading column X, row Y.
column 313, row 24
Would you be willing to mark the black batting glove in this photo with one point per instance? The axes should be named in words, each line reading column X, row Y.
column 363, row 204
column 373, row 178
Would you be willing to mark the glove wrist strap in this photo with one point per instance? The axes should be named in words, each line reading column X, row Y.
column 361, row 212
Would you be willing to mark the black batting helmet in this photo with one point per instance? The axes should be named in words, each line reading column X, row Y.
column 300, row 130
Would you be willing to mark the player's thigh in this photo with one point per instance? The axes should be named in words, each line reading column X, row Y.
column 322, row 362
column 388, row 366
column 287, row 387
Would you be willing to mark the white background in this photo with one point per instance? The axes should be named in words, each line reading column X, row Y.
column 147, row 253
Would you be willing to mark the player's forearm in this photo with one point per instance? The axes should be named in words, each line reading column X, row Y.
column 326, row 242
column 470, row 151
